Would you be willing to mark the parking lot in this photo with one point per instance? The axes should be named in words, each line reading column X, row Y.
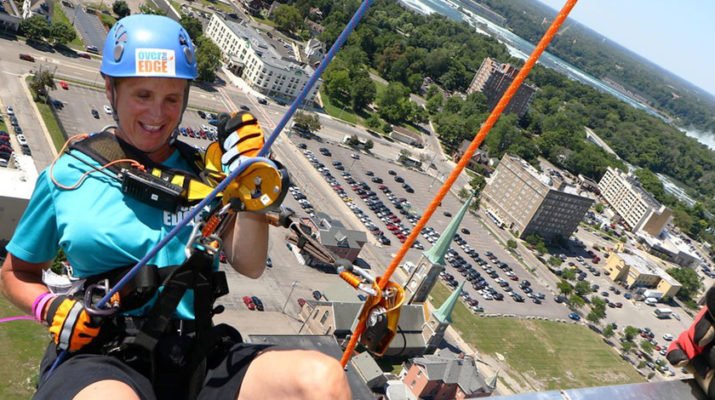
column 371, row 188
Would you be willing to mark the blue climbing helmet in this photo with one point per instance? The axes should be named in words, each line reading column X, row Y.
column 148, row 46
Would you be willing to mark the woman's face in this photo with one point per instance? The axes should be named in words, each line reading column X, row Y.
column 148, row 110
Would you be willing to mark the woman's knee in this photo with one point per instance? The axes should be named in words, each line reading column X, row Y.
column 107, row 390
column 323, row 375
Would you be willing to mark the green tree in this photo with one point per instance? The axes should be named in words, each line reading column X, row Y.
column 568, row 274
column 576, row 301
column 35, row 27
column 582, row 288
column 121, row 8
column 434, row 104
column 630, row 332
column 555, row 261
column 287, row 18
column 511, row 243
column 599, row 207
column 192, row 25
column 145, row 8
column 646, row 346
column 593, row 317
column 689, row 280
column 627, row 346
column 565, row 287
column 61, row 33
column 337, row 85
column 395, row 104
column 208, row 59
column 41, row 82
column 373, row 122
column 608, row 331
column 369, row 144
column 362, row 90
column 309, row 121
column 477, row 183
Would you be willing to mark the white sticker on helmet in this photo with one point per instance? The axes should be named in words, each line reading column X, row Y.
column 155, row 62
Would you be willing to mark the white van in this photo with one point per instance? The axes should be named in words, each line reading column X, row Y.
column 651, row 301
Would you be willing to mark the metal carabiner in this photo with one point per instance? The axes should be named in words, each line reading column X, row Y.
column 113, row 304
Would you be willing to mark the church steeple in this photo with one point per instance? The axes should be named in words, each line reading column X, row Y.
column 444, row 313
column 437, row 252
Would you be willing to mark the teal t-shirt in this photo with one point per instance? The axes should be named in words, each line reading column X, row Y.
column 96, row 225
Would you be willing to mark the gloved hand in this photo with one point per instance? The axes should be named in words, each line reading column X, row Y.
column 71, row 326
column 239, row 136
column 693, row 349
column 262, row 185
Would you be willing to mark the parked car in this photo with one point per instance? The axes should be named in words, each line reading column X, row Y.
column 64, row 85
column 262, row 100
column 574, row 316
column 27, row 57
column 258, row 303
column 301, row 302
column 107, row 109
column 317, row 295
column 95, row 113
column 249, row 302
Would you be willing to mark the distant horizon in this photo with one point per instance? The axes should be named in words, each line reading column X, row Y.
column 671, row 49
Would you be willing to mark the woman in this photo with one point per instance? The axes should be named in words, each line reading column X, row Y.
column 148, row 64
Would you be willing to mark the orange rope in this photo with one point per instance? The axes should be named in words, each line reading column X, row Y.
column 483, row 131
column 86, row 174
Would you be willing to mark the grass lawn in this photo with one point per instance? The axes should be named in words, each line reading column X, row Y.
column 58, row 138
column 264, row 21
column 379, row 88
column 558, row 355
column 58, row 15
column 217, row 5
column 22, row 344
column 335, row 111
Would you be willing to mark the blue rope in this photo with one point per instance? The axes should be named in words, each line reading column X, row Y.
column 231, row 177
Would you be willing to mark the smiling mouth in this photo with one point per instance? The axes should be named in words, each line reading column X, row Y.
column 151, row 128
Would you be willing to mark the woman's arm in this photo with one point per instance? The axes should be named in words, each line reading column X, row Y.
column 21, row 281
column 246, row 245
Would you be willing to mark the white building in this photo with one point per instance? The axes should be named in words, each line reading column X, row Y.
column 638, row 208
column 16, row 186
column 267, row 65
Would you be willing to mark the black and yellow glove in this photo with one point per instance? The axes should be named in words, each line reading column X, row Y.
column 70, row 324
column 262, row 185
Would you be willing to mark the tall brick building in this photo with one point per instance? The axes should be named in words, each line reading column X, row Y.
column 493, row 78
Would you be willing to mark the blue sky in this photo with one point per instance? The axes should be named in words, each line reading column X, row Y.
column 675, row 34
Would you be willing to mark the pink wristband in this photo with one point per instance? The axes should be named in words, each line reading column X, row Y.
column 40, row 306
column 37, row 300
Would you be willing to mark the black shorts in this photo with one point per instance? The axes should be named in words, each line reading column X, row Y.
column 224, row 375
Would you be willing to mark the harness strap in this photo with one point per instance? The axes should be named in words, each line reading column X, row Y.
column 105, row 147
